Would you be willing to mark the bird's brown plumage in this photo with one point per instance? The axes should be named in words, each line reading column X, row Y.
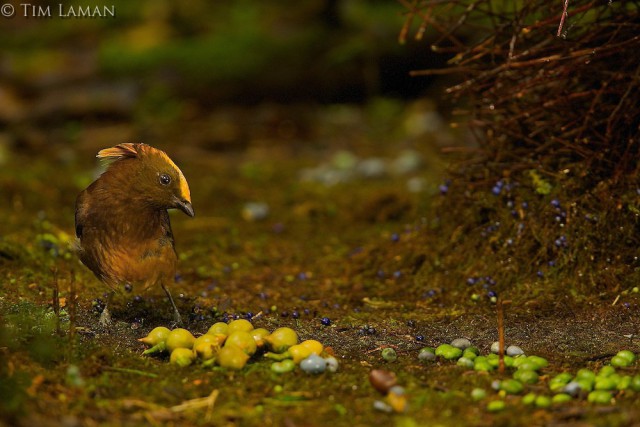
column 122, row 225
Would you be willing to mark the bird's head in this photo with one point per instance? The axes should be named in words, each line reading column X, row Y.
column 151, row 174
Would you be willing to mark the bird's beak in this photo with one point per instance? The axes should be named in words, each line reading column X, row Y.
column 185, row 206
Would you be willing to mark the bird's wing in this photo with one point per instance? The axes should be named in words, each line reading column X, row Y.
column 81, row 213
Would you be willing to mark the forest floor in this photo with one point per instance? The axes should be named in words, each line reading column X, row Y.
column 343, row 239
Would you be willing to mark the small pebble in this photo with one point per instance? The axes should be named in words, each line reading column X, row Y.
column 573, row 388
column 332, row 364
column 313, row 364
column 397, row 389
column 466, row 363
column 255, row 211
column 461, row 343
column 427, row 354
column 514, row 350
column 495, row 347
column 382, row 380
column 381, row 406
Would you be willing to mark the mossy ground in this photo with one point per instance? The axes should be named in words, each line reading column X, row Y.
column 364, row 252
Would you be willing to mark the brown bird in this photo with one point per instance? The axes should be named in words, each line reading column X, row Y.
column 122, row 224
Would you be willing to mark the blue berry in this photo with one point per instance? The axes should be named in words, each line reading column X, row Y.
column 555, row 203
column 295, row 314
column 395, row 237
column 325, row 321
column 420, row 338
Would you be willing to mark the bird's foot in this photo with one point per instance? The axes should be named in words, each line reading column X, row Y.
column 105, row 318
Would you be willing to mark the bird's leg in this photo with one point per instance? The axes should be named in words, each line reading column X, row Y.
column 176, row 313
column 105, row 316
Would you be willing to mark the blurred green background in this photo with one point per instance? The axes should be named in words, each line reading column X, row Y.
column 158, row 65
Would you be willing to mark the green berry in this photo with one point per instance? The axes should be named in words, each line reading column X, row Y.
column 448, row 352
column 620, row 362
column 627, row 355
column 586, row 374
column 526, row 376
column 389, row 354
column 602, row 397
column 606, row 383
column 561, row 398
column 469, row 354
column 529, row 399
column 543, row 401
column 496, row 406
column 478, row 394
column 286, row 365
column 606, row 371
column 624, row 383
column 511, row 386
column 540, row 362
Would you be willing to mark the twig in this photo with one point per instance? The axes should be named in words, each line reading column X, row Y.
column 563, row 17
column 500, row 310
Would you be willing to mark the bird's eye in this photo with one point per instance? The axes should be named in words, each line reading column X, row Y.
column 165, row 179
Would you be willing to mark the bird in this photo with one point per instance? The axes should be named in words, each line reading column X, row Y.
column 122, row 227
